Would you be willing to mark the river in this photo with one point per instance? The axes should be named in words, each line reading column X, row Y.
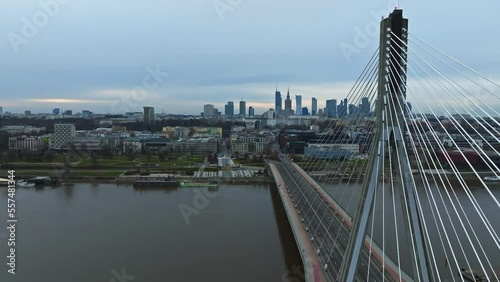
column 105, row 232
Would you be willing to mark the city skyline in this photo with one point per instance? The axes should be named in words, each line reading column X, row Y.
column 101, row 71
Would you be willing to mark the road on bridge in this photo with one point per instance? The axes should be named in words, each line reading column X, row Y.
column 327, row 230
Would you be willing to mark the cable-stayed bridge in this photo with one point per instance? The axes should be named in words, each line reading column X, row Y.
column 405, row 187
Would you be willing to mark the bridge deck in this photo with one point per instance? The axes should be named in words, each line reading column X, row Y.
column 328, row 225
column 313, row 271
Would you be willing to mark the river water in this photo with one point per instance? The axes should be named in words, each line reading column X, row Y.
column 460, row 247
column 113, row 233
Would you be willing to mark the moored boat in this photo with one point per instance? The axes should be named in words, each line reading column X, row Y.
column 24, row 184
column 199, row 184
column 167, row 182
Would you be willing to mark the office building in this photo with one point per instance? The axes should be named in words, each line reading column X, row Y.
column 314, row 106
column 251, row 112
column 288, row 104
column 149, row 115
column 305, row 111
column 229, row 109
column 68, row 112
column 63, row 134
column 331, row 108
column 86, row 113
column 208, row 110
column 56, row 111
column 277, row 103
column 243, row 106
column 298, row 105
column 364, row 107
column 353, row 110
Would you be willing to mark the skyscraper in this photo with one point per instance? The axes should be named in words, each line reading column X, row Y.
column 288, row 104
column 208, row 110
column 364, row 107
column 331, row 108
column 229, row 109
column 251, row 111
column 298, row 105
column 277, row 102
column 56, row 111
column 305, row 111
column 342, row 109
column 314, row 106
column 149, row 115
column 243, row 106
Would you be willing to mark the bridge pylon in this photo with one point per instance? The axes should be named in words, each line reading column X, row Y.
column 389, row 137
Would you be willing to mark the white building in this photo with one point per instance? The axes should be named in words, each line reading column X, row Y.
column 25, row 143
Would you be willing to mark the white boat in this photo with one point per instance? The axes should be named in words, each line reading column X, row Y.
column 491, row 178
column 24, row 184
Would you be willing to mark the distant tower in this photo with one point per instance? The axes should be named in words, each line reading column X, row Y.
column 277, row 102
column 208, row 110
column 149, row 115
column 229, row 109
column 331, row 108
column 364, row 107
column 243, row 106
column 298, row 105
column 288, row 104
column 314, row 106
column 251, row 112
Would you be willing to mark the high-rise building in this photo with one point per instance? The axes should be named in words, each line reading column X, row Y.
column 364, row 107
column 320, row 113
column 243, row 106
column 229, row 109
column 86, row 113
column 353, row 110
column 1, row 110
column 68, row 112
column 314, row 106
column 305, row 111
column 27, row 113
column 288, row 104
column 56, row 111
column 149, row 115
column 298, row 105
column 208, row 110
column 63, row 134
column 277, row 102
column 251, row 112
column 342, row 108
column 331, row 108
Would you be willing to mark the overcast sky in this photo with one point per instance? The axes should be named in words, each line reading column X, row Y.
column 89, row 54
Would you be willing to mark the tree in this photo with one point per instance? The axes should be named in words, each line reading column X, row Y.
column 162, row 156
column 5, row 159
column 93, row 159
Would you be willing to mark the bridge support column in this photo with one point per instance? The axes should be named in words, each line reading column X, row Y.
column 390, row 135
